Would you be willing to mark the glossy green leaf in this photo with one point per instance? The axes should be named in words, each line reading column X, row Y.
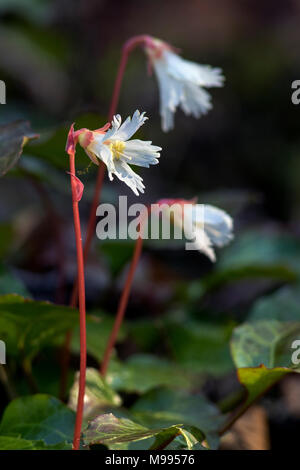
column 26, row 325
column 13, row 137
column 264, row 342
column 38, row 418
column 262, row 352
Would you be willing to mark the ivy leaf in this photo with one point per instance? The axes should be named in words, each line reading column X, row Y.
column 38, row 418
column 27, row 325
column 13, row 137
column 98, row 394
column 118, row 433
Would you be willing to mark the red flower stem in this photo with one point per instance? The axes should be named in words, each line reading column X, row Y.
column 82, row 312
column 123, row 300
column 122, row 307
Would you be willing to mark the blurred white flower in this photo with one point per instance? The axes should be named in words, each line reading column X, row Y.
column 115, row 149
column 181, row 82
column 204, row 225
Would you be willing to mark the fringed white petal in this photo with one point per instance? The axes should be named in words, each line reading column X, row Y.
column 128, row 128
column 126, row 174
column 218, row 225
column 141, row 153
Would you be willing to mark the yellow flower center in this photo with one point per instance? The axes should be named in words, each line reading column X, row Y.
column 116, row 147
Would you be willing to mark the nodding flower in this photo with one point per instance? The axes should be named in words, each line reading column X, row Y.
column 206, row 225
column 181, row 82
column 113, row 147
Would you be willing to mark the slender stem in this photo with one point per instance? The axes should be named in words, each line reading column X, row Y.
column 27, row 369
column 82, row 313
column 122, row 307
column 9, row 387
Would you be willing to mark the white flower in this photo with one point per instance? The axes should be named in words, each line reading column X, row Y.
column 211, row 227
column 181, row 82
column 205, row 225
column 116, row 150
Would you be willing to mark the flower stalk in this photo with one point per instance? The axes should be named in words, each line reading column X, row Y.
column 77, row 189
column 123, row 301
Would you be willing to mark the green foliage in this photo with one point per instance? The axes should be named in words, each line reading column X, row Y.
column 98, row 394
column 201, row 346
column 263, row 250
column 98, row 329
column 126, row 376
column 264, row 342
column 118, row 433
column 26, row 326
column 165, row 407
column 37, row 418
column 262, row 354
column 282, row 305
column 13, row 137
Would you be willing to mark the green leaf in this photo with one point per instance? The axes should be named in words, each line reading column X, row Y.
column 264, row 342
column 26, row 325
column 11, row 284
column 50, row 146
column 16, row 443
column 225, row 276
column 98, row 329
column 13, row 137
column 163, row 408
column 262, row 352
column 282, row 305
column 201, row 346
column 117, row 433
column 143, row 372
column 258, row 249
column 38, row 418
column 117, row 253
column 98, row 394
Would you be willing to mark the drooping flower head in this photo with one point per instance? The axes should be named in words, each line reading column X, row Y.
column 207, row 226
column 114, row 148
column 180, row 82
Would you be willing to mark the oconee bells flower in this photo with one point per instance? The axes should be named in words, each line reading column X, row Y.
column 114, row 148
